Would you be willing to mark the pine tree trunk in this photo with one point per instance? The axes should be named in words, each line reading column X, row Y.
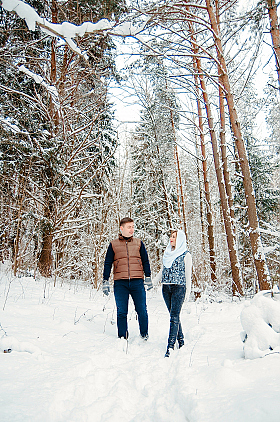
column 256, row 244
column 53, row 111
column 19, row 220
column 201, row 207
column 205, row 251
column 235, row 265
column 21, row 196
column 224, row 156
column 45, row 257
column 209, row 214
column 275, row 33
column 223, row 138
column 177, row 189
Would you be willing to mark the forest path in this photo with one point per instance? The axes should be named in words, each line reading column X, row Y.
column 83, row 374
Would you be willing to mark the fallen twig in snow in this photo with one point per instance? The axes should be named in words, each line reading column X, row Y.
column 83, row 314
column 2, row 329
column 10, row 282
column 190, row 362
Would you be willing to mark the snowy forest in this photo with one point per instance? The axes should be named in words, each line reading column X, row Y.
column 202, row 156
column 166, row 112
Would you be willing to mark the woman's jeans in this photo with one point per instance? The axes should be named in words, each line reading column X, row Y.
column 122, row 290
column 174, row 296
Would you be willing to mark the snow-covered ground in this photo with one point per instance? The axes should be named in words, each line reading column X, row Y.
column 67, row 365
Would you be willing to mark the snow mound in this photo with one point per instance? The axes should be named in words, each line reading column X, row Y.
column 9, row 344
column 260, row 320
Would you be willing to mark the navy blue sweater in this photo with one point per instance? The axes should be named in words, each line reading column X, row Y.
column 109, row 259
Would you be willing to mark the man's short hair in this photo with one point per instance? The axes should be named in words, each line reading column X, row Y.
column 126, row 220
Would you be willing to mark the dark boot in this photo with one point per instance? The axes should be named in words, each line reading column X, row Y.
column 167, row 353
column 180, row 336
column 181, row 342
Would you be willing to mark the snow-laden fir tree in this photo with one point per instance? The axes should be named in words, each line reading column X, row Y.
column 58, row 147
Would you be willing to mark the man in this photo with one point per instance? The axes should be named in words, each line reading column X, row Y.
column 130, row 259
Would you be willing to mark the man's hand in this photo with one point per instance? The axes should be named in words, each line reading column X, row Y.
column 106, row 287
column 148, row 283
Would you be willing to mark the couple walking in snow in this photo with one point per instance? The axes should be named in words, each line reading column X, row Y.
column 130, row 260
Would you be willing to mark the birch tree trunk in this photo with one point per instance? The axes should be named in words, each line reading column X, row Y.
column 255, row 239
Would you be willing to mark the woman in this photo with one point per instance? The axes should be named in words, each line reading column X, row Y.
column 176, row 284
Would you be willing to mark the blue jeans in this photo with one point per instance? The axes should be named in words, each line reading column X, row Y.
column 122, row 290
column 174, row 295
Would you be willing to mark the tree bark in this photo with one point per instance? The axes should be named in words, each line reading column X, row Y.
column 201, row 200
column 255, row 239
column 235, row 265
column 21, row 194
column 178, row 190
column 53, row 111
column 209, row 214
column 45, row 258
column 223, row 138
column 275, row 33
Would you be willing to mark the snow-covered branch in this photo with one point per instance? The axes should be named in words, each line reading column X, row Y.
column 39, row 80
column 68, row 31
column 12, row 126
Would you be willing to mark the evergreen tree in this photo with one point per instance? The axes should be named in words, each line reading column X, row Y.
column 58, row 143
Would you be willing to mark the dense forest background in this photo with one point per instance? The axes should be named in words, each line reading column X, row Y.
column 203, row 156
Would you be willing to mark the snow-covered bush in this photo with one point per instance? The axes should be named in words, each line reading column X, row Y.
column 260, row 319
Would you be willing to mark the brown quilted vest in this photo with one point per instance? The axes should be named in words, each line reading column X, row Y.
column 127, row 258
